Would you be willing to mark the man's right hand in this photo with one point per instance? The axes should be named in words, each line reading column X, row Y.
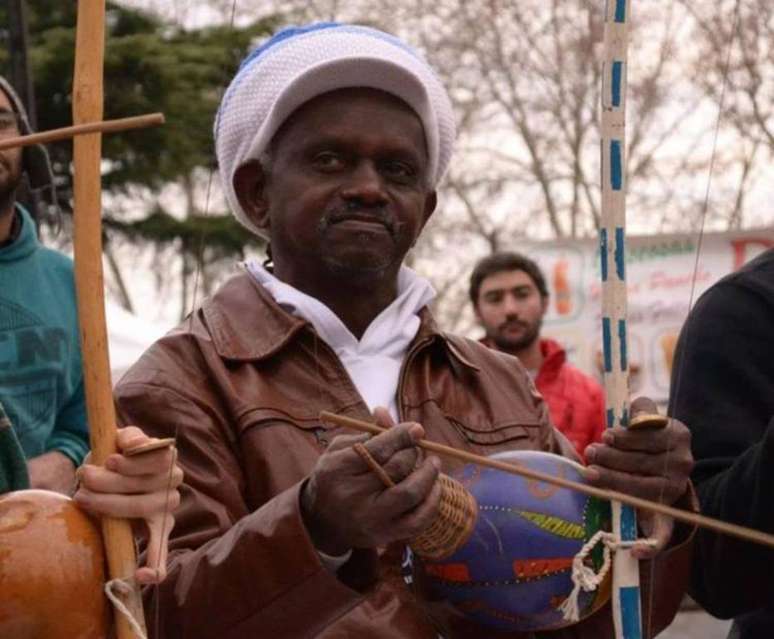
column 345, row 505
column 136, row 487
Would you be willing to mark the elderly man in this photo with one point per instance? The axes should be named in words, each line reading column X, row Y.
column 331, row 140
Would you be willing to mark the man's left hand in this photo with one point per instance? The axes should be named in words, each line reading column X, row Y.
column 52, row 471
column 650, row 463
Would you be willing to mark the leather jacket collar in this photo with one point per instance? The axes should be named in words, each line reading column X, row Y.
column 256, row 327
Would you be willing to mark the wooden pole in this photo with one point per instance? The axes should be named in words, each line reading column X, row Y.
column 694, row 519
column 105, row 126
column 87, row 156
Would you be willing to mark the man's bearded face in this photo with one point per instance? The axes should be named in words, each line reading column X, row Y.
column 510, row 309
column 10, row 176
column 10, row 159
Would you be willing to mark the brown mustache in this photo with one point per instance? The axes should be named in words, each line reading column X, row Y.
column 509, row 323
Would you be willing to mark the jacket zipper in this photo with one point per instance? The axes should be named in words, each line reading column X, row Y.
column 407, row 361
column 341, row 368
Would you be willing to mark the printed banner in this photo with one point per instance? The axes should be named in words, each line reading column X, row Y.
column 663, row 278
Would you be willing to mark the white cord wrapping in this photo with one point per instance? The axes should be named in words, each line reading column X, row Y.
column 584, row 577
column 113, row 589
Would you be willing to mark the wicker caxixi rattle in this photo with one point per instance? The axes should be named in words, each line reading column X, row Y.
column 456, row 518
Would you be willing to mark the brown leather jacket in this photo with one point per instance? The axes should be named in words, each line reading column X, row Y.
column 241, row 384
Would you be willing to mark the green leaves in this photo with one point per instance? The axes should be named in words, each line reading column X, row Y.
column 150, row 66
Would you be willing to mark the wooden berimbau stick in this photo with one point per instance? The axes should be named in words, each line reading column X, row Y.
column 65, row 133
column 691, row 518
column 88, row 98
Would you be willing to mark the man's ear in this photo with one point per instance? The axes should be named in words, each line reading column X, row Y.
column 250, row 188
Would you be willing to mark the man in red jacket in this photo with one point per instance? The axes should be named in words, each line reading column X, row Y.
column 510, row 297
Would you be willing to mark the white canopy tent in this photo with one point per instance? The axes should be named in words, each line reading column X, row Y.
column 128, row 337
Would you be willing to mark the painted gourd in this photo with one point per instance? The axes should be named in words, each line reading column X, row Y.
column 514, row 571
column 51, row 569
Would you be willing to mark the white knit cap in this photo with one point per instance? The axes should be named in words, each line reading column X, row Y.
column 300, row 63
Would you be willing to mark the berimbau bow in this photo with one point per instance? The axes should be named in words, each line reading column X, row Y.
column 87, row 248
column 627, row 615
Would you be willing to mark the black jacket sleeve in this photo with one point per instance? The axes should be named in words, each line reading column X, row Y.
column 723, row 390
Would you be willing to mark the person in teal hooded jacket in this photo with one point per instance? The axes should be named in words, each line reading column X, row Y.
column 43, row 425
column 41, row 379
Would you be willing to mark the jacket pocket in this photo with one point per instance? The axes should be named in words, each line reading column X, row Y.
column 497, row 434
column 261, row 417
column 302, row 423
